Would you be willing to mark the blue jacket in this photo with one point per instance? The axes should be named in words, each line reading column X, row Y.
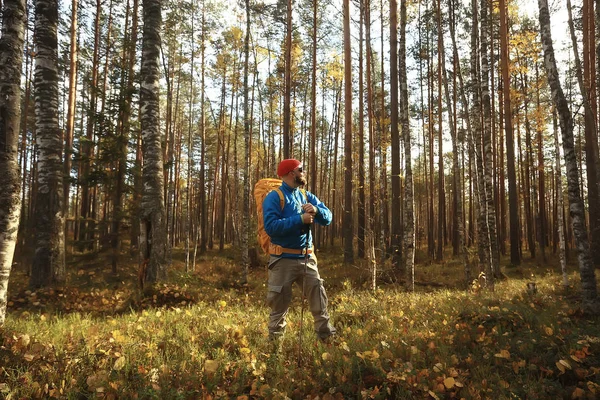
column 285, row 227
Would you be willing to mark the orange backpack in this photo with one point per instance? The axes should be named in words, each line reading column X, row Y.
column 261, row 190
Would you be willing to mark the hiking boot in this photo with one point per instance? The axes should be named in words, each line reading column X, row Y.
column 332, row 339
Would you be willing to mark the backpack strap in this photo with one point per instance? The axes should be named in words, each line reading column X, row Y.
column 304, row 193
column 281, row 199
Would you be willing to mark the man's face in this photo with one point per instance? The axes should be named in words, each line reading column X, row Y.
column 299, row 177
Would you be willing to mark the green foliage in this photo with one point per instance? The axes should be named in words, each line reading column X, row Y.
column 203, row 334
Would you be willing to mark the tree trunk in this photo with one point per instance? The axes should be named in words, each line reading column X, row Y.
column 287, row 130
column 246, row 170
column 11, row 57
column 123, row 128
column 361, row 141
column 49, row 260
column 493, row 270
column 560, row 206
column 371, row 127
column 409, row 208
column 71, row 106
column 395, row 141
column 153, row 243
column 590, row 117
column 86, row 232
column 348, row 218
column 542, row 177
column 441, row 190
column 464, row 100
column 203, row 213
column 577, row 211
column 513, row 205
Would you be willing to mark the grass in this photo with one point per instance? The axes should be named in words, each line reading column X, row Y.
column 204, row 335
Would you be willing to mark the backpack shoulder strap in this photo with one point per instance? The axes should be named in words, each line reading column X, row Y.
column 303, row 191
column 281, row 199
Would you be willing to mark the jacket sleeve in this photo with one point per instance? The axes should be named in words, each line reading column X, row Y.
column 275, row 223
column 324, row 215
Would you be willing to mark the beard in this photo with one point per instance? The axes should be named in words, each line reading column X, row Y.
column 300, row 181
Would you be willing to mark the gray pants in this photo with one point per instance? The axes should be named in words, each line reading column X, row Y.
column 283, row 272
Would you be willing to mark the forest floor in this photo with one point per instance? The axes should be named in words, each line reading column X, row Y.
column 203, row 334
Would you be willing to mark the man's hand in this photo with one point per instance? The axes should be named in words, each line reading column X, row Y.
column 307, row 218
column 310, row 209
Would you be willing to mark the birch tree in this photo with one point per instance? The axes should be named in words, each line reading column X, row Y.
column 409, row 217
column 576, row 208
column 11, row 56
column 49, row 259
column 153, row 232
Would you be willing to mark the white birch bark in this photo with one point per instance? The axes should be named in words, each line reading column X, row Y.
column 153, row 234
column 409, row 208
column 586, row 267
column 49, row 260
column 562, row 254
column 488, row 205
column 11, row 57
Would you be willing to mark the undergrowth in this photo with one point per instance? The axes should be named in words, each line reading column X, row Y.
column 203, row 334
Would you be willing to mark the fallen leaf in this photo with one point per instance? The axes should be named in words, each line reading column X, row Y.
column 23, row 341
column 211, row 366
column 449, row 383
column 578, row 393
column 119, row 363
column 503, row 354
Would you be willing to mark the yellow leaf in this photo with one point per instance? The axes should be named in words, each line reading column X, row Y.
column 503, row 354
column 28, row 357
column 245, row 350
column 459, row 384
column 438, row 367
column 119, row 363
column 23, row 341
column 211, row 366
column 594, row 387
column 432, row 394
column 326, row 356
column 565, row 363
column 449, row 383
column 548, row 330
column 560, row 367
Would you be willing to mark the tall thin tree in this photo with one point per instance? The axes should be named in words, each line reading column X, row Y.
column 395, row 139
column 153, row 232
column 348, row 219
column 513, row 206
column 409, row 208
column 11, row 57
column 586, row 266
column 246, row 167
column 49, row 260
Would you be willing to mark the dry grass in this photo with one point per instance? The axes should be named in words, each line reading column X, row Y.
column 204, row 335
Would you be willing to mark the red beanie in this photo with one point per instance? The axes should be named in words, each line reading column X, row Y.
column 285, row 166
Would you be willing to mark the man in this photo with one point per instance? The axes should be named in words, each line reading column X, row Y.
column 289, row 230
